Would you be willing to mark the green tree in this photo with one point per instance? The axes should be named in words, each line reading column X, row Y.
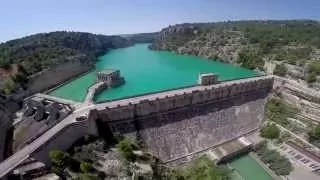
column 278, row 111
column 313, row 71
column 311, row 77
column 281, row 165
column 204, row 169
column 9, row 85
column 270, row 131
column 280, row 70
column 88, row 176
column 20, row 77
column 85, row 167
column 250, row 59
column 314, row 135
column 277, row 163
column 126, row 149
column 59, row 158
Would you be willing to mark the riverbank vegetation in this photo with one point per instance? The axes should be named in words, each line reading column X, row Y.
column 276, row 162
column 314, row 135
column 250, row 59
column 125, row 147
column 90, row 158
column 313, row 71
column 270, row 131
column 278, row 111
column 201, row 168
column 280, row 70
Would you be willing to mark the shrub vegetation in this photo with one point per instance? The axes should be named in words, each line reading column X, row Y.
column 276, row 162
column 270, row 131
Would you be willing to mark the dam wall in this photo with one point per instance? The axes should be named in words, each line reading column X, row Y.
column 57, row 74
column 178, row 125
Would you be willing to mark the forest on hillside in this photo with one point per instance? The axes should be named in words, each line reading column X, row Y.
column 39, row 51
column 250, row 44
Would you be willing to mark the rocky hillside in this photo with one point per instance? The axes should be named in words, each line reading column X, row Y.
column 24, row 57
column 39, row 51
column 41, row 61
column 288, row 48
column 141, row 37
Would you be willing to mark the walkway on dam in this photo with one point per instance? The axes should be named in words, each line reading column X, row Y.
column 13, row 161
column 91, row 92
column 170, row 93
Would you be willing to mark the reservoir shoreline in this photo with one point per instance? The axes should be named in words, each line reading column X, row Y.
column 147, row 71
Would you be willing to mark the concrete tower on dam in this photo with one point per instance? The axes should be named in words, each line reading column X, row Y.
column 175, row 124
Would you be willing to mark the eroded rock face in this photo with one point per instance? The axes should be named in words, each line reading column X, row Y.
column 192, row 39
column 306, row 99
column 224, row 40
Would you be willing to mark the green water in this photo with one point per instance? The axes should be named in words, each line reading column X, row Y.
column 148, row 71
column 248, row 169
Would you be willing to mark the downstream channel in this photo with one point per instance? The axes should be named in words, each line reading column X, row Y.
column 247, row 168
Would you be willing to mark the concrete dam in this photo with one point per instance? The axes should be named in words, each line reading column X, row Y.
column 172, row 124
column 190, row 120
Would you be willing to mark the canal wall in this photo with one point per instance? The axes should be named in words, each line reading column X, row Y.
column 178, row 125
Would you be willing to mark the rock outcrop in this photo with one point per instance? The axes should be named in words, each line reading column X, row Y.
column 286, row 42
column 307, row 100
column 192, row 39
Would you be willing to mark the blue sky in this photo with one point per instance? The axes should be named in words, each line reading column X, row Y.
column 24, row 17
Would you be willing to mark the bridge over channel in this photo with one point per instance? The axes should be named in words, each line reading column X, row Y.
column 31, row 149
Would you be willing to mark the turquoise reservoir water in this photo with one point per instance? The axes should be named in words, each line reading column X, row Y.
column 147, row 71
column 246, row 168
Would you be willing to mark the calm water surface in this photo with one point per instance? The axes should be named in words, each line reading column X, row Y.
column 246, row 168
column 148, row 71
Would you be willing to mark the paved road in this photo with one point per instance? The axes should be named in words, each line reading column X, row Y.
column 13, row 161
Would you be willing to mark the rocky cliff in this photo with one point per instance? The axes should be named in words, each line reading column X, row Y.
column 267, row 45
column 195, row 40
